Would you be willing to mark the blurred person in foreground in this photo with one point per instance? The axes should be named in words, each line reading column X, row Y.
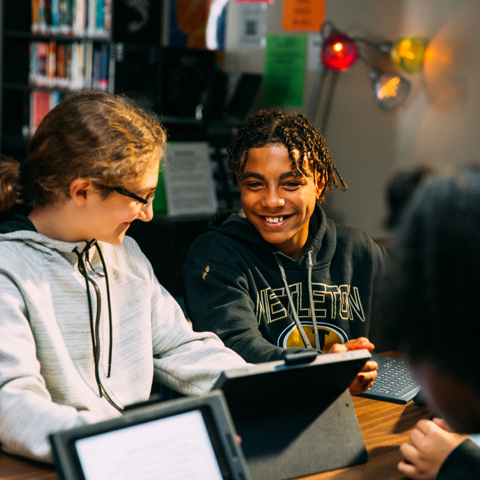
column 428, row 296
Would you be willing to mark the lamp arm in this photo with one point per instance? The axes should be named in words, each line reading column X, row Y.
column 384, row 47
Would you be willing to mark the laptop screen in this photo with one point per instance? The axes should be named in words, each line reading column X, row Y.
column 179, row 447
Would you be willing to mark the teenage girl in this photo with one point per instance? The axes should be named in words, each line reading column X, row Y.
column 84, row 325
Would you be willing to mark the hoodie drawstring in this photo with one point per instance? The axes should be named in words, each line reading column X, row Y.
column 312, row 306
column 95, row 325
column 110, row 324
column 292, row 306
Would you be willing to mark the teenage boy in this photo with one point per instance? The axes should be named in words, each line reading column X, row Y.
column 278, row 275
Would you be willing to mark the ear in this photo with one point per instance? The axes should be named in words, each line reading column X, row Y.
column 80, row 190
column 320, row 184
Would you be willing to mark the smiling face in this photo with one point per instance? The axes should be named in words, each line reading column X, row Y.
column 111, row 217
column 278, row 201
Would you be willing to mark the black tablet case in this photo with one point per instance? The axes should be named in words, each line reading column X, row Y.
column 296, row 420
column 65, row 456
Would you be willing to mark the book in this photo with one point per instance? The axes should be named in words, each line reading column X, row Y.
column 88, row 64
column 35, row 27
column 33, row 52
column 54, row 17
column 52, row 63
column 42, row 21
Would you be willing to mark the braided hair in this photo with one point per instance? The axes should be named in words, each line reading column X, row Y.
column 296, row 133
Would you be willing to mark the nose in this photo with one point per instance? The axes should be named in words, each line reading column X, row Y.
column 147, row 215
column 273, row 199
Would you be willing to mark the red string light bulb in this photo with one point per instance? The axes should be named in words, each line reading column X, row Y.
column 339, row 52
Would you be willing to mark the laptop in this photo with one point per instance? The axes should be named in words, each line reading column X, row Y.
column 394, row 382
column 296, row 417
column 190, row 438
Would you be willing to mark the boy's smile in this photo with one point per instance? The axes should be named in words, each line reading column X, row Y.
column 278, row 201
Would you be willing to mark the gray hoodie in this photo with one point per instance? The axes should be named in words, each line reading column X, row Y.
column 71, row 355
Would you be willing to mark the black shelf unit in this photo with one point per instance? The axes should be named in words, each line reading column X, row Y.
column 15, row 87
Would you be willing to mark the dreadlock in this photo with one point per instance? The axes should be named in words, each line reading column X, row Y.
column 296, row 133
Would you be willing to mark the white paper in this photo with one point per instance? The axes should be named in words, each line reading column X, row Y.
column 313, row 51
column 188, row 177
column 253, row 25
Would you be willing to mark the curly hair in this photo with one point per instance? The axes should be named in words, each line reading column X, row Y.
column 426, row 305
column 296, row 133
column 93, row 135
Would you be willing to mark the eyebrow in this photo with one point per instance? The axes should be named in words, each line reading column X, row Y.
column 283, row 175
column 145, row 191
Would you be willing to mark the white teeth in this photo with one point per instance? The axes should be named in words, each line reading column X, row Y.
column 274, row 219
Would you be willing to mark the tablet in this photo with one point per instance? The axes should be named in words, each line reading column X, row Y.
column 296, row 417
column 308, row 372
column 190, row 438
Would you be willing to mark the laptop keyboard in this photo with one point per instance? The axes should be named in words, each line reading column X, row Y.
column 394, row 382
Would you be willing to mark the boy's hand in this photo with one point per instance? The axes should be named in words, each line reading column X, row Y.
column 368, row 373
column 356, row 344
column 431, row 444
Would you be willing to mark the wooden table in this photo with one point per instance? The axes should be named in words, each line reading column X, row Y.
column 384, row 427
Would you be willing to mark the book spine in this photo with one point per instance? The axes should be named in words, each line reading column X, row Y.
column 81, row 65
column 48, row 16
column 55, row 16
column 34, row 26
column 62, row 17
column 100, row 19
column 42, row 21
column 60, row 75
column 69, row 20
column 42, row 63
column 107, row 17
column 111, row 68
column 103, row 82
column 68, row 66
column 96, row 69
column 32, row 73
column 80, row 17
column 33, row 113
column 43, row 106
column 88, row 64
column 74, row 67
column 92, row 11
column 52, row 63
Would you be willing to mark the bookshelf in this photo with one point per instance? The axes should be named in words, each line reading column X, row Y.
column 49, row 48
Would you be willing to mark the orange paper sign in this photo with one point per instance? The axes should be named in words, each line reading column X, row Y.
column 303, row 15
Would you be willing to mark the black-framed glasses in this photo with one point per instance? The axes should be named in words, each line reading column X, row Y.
column 146, row 201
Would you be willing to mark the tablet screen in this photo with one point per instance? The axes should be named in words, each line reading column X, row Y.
column 172, row 448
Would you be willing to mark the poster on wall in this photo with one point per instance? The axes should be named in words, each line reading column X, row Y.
column 253, row 25
column 197, row 23
column 303, row 15
column 284, row 78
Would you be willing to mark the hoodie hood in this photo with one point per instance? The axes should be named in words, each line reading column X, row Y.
column 16, row 219
column 16, row 226
column 236, row 225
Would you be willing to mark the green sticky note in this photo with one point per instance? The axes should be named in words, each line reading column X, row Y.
column 284, row 78
column 160, row 201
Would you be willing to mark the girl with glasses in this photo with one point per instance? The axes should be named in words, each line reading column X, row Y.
column 84, row 325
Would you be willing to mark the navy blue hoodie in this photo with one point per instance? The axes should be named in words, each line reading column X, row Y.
column 235, row 286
